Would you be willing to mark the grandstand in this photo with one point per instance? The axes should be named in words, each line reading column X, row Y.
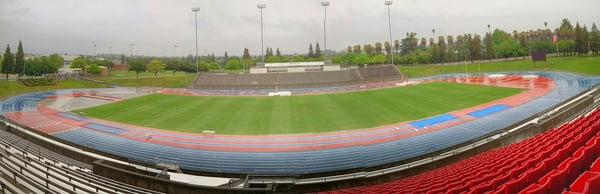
column 369, row 74
column 28, row 168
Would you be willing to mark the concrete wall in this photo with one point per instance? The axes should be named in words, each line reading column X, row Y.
column 122, row 174
column 256, row 70
column 296, row 69
column 331, row 68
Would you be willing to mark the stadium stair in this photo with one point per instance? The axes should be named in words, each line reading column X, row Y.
column 559, row 160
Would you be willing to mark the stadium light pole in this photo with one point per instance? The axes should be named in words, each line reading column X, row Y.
column 131, row 45
column 262, row 39
column 388, row 3
column 492, row 37
column 325, row 4
column 196, row 10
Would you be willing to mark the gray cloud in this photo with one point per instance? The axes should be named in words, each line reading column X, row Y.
column 74, row 26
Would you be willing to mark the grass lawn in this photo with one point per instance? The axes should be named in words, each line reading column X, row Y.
column 580, row 65
column 12, row 88
column 297, row 114
column 166, row 79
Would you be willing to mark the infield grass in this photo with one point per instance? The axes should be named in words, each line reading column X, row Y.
column 296, row 114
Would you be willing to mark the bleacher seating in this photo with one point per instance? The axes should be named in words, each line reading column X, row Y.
column 551, row 162
column 28, row 168
column 38, row 82
column 297, row 80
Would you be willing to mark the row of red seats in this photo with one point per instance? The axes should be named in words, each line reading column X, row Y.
column 37, row 121
column 588, row 181
column 513, row 168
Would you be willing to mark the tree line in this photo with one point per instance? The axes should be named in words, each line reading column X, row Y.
column 33, row 66
column 570, row 40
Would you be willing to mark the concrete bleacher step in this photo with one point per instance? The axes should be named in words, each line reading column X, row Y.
column 10, row 186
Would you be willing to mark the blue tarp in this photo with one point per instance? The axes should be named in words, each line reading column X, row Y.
column 432, row 121
column 489, row 110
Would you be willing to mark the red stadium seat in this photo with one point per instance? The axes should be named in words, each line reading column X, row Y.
column 535, row 189
column 551, row 162
column 581, row 182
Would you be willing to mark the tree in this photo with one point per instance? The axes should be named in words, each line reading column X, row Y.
column 19, row 61
column 278, row 53
column 450, row 40
column 311, row 52
column 246, row 54
column 7, row 62
column 368, row 48
column 409, row 44
column 379, row 59
column 80, row 62
column 586, row 40
column 475, row 48
column 443, row 53
column 298, row 58
column 213, row 66
column 580, row 43
column 248, row 63
column 269, row 52
column 388, row 48
column 33, row 67
column 137, row 66
column 155, row 67
column 378, row 48
column 489, row 46
column 233, row 64
column 362, row 59
column 396, row 46
column 423, row 44
column 357, row 49
column 93, row 69
column 565, row 31
column 317, row 51
column 57, row 61
column 595, row 39
column 274, row 59
column 510, row 48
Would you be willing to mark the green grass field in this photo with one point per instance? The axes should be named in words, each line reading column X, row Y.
column 580, row 65
column 12, row 88
column 165, row 79
column 297, row 114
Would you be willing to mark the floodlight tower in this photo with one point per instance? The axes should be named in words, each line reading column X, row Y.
column 388, row 3
column 492, row 37
column 262, row 39
column 325, row 3
column 196, row 10
column 131, row 45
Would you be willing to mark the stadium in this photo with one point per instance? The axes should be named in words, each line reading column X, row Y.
column 459, row 123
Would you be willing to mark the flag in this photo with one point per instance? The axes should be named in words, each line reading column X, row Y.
column 554, row 39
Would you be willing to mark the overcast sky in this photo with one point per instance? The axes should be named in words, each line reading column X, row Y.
column 155, row 26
